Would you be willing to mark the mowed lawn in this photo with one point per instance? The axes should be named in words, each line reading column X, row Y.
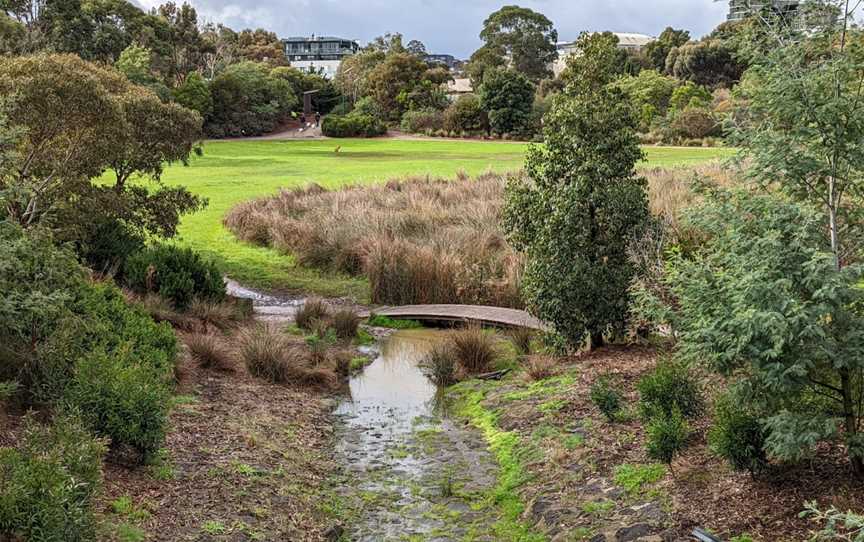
column 233, row 171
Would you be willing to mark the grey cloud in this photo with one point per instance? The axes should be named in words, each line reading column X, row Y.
column 452, row 26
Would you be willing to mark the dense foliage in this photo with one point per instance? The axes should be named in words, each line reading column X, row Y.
column 507, row 97
column 581, row 206
column 352, row 125
column 50, row 482
column 179, row 275
column 76, row 345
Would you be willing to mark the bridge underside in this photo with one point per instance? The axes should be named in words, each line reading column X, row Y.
column 488, row 316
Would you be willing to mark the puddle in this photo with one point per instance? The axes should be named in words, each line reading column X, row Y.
column 409, row 470
column 267, row 307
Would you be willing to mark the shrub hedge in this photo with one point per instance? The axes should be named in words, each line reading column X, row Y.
column 177, row 274
column 352, row 125
column 49, row 483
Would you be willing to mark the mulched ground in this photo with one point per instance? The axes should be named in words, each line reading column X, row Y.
column 701, row 490
column 245, row 460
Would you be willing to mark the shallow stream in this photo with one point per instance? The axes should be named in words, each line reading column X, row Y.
column 410, row 471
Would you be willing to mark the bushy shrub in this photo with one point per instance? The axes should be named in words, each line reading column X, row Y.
column 667, row 435
column 737, row 435
column 123, row 399
column 261, row 348
column 606, row 398
column 422, row 121
column 312, row 310
column 341, row 109
column 107, row 245
column 694, row 123
column 475, row 350
column 466, row 115
column 177, row 274
column 49, row 483
column 353, row 125
column 439, row 364
column 669, row 388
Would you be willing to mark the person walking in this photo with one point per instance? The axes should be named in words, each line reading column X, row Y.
column 317, row 118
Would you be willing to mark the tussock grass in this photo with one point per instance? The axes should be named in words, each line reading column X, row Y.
column 475, row 350
column 314, row 310
column 418, row 240
column 540, row 367
column 439, row 364
column 422, row 240
column 272, row 355
column 521, row 338
column 345, row 323
column 209, row 351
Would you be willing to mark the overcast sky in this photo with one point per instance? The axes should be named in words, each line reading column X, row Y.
column 452, row 26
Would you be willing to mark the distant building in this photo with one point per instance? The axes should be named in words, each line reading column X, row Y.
column 445, row 60
column 741, row 9
column 320, row 54
column 628, row 42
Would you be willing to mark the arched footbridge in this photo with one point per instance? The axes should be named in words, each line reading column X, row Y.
column 488, row 316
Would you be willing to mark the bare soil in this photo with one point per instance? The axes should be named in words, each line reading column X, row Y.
column 244, row 460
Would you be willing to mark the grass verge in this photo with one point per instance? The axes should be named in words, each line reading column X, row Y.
column 510, row 453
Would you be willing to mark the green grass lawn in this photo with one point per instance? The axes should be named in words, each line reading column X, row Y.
column 231, row 172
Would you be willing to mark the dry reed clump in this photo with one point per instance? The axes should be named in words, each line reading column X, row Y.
column 209, row 351
column 474, row 349
column 272, row 355
column 418, row 240
column 539, row 367
column 345, row 323
column 313, row 311
column 439, row 364
column 672, row 190
column 521, row 338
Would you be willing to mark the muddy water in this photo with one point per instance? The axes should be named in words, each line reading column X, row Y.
column 409, row 471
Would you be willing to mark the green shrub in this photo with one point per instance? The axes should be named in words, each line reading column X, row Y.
column 49, row 483
column 667, row 435
column 737, row 435
column 107, row 245
column 378, row 320
column 352, row 125
column 466, row 115
column 121, row 398
column 669, row 387
column 422, row 121
column 606, row 398
column 177, row 274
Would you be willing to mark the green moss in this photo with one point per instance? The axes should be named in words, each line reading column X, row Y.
column 377, row 320
column 511, row 455
column 358, row 364
column 364, row 338
column 634, row 478
column 213, row 527
column 571, row 442
column 541, row 388
column 597, row 508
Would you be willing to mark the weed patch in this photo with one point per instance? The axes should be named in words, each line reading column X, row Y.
column 634, row 478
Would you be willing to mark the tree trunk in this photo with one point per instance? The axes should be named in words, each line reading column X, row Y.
column 851, row 420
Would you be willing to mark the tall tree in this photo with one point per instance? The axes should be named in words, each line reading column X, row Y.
column 803, row 132
column 524, row 37
column 581, row 204
column 658, row 50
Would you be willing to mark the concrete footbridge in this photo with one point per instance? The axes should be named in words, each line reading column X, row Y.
column 488, row 316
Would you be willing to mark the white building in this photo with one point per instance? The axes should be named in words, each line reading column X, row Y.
column 628, row 42
column 319, row 53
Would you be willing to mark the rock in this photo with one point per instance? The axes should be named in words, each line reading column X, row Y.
column 650, row 512
column 334, row 533
column 634, row 532
column 598, row 538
